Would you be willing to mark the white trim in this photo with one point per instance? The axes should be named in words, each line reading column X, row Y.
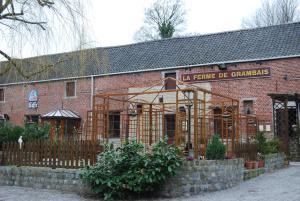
column 151, row 70
column 75, row 89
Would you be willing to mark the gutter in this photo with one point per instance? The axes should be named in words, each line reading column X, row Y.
column 150, row 70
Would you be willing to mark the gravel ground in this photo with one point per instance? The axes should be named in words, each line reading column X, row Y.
column 283, row 185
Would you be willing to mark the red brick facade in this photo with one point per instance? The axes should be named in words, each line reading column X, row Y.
column 52, row 93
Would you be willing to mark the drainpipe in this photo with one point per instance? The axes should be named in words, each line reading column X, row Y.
column 92, row 91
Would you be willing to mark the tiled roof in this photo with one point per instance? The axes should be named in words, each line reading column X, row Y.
column 271, row 42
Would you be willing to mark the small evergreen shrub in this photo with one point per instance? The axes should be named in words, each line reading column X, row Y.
column 261, row 142
column 215, row 149
column 130, row 171
column 266, row 147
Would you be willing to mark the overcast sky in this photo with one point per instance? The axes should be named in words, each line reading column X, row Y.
column 114, row 22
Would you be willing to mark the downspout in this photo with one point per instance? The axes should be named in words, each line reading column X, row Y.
column 92, row 92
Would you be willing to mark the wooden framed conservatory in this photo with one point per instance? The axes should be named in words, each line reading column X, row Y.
column 187, row 114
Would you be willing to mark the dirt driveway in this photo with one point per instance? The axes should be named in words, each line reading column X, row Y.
column 283, row 185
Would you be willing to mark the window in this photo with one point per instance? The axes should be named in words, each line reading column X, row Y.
column 248, row 107
column 70, row 89
column 2, row 95
column 170, row 83
column 114, row 124
column 32, row 118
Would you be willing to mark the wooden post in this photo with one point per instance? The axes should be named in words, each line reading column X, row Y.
column 195, row 125
column 177, row 121
column 62, row 129
column 286, row 128
column 150, row 124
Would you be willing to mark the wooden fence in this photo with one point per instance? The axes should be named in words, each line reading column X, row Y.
column 44, row 153
column 248, row 151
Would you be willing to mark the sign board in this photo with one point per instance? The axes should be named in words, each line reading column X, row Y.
column 33, row 99
column 226, row 75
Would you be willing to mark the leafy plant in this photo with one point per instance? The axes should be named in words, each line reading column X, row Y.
column 272, row 146
column 35, row 131
column 130, row 171
column 9, row 133
column 261, row 142
column 266, row 147
column 215, row 149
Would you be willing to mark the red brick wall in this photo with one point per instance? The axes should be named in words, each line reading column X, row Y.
column 258, row 88
column 52, row 94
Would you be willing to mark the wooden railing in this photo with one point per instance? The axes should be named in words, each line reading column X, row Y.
column 44, row 153
column 248, row 151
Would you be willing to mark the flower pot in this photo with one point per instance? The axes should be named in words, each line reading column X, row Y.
column 286, row 163
column 248, row 164
column 254, row 164
column 261, row 163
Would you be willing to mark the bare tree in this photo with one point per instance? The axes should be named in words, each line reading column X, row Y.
column 162, row 20
column 273, row 12
column 33, row 24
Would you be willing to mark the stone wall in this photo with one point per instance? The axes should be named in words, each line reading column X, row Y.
column 44, row 178
column 193, row 178
column 204, row 175
column 274, row 161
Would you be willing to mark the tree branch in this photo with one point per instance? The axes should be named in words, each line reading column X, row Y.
column 40, row 24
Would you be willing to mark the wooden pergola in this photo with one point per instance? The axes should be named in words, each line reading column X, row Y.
column 187, row 114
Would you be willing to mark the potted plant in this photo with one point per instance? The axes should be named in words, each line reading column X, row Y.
column 261, row 162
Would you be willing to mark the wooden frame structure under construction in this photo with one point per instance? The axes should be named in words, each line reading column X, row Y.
column 188, row 114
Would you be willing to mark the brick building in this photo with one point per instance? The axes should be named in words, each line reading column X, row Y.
column 245, row 64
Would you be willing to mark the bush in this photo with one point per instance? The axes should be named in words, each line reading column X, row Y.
column 261, row 142
column 215, row 149
column 266, row 147
column 129, row 170
column 10, row 133
column 272, row 146
column 35, row 131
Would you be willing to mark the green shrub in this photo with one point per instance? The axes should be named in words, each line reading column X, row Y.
column 272, row 146
column 35, row 131
column 129, row 170
column 10, row 133
column 261, row 142
column 215, row 149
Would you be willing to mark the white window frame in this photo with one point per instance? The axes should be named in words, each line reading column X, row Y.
column 75, row 89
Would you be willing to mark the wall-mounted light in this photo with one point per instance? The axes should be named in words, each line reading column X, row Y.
column 161, row 99
column 285, row 77
column 259, row 62
column 222, row 66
